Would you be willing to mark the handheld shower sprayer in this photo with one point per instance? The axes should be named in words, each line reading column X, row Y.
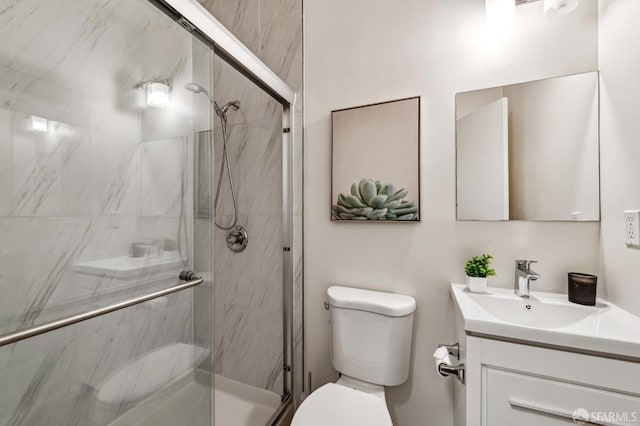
column 220, row 111
column 222, row 114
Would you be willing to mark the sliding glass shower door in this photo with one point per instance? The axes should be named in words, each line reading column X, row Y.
column 249, row 322
column 97, row 208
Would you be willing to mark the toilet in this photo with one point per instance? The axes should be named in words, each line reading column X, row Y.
column 370, row 347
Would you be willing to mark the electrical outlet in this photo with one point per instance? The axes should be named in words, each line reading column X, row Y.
column 631, row 226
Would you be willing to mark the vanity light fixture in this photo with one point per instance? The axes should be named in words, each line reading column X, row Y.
column 39, row 124
column 157, row 94
column 500, row 15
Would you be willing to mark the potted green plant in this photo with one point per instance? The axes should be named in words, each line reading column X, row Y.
column 478, row 269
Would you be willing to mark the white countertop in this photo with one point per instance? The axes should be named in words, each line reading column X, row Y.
column 549, row 319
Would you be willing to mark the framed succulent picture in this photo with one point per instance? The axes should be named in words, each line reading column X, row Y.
column 375, row 174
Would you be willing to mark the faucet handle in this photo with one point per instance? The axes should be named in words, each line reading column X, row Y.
column 524, row 264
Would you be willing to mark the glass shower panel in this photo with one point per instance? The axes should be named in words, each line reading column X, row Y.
column 248, row 285
column 97, row 189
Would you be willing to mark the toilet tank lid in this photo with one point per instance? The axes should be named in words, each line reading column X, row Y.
column 389, row 304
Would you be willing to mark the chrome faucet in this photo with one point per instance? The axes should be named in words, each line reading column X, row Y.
column 524, row 276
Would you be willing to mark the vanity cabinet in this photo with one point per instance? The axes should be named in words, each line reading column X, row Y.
column 519, row 384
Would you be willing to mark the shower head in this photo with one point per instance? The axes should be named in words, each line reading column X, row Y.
column 233, row 104
column 222, row 112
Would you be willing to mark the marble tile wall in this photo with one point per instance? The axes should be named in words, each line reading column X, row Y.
column 105, row 174
column 248, row 290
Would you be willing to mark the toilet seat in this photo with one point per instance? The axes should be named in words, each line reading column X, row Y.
column 337, row 405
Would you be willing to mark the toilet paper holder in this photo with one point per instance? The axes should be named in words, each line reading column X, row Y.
column 454, row 350
column 452, row 370
column 445, row 367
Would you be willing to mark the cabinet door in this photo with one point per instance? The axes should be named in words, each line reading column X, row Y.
column 510, row 398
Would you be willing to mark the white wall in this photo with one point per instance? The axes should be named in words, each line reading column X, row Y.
column 365, row 51
column 620, row 146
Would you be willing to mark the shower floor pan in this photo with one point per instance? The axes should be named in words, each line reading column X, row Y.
column 187, row 402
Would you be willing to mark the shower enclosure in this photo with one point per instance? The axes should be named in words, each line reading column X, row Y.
column 120, row 301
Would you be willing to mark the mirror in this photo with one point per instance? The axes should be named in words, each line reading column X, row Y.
column 375, row 165
column 529, row 151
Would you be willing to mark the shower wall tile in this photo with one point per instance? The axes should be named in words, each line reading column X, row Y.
column 281, row 48
column 248, row 284
column 28, row 95
column 214, row 7
column 37, row 177
column 109, row 237
column 274, row 9
column 238, row 136
column 229, row 85
column 245, row 355
column 77, row 170
column 242, row 18
column 116, row 176
column 34, row 253
column 202, row 59
column 162, row 177
column 85, row 190
column 203, row 316
column 253, row 277
column 264, row 170
column 6, row 166
column 44, row 174
column 203, row 240
column 176, row 119
column 98, row 39
column 203, row 174
column 41, row 377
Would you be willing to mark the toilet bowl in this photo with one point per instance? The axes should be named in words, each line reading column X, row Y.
column 346, row 402
column 370, row 347
column 139, row 379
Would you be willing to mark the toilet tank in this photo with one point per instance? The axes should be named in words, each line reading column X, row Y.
column 371, row 334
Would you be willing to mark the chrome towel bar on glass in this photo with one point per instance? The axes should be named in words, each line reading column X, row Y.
column 192, row 281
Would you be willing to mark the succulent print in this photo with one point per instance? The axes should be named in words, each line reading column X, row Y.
column 374, row 200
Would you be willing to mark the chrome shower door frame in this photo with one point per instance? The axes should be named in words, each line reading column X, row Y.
column 198, row 21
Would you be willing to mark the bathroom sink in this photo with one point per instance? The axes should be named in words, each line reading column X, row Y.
column 533, row 312
column 549, row 319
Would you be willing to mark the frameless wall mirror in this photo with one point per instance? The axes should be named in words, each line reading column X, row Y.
column 529, row 151
column 375, row 168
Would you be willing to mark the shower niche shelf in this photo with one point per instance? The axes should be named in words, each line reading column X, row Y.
column 125, row 267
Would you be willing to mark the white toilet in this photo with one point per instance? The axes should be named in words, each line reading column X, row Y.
column 370, row 347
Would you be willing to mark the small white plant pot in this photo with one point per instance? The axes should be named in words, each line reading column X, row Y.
column 477, row 284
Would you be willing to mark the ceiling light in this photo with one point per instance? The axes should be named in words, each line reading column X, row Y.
column 39, row 124
column 157, row 94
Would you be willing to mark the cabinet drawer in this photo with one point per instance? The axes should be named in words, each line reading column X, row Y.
column 510, row 398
